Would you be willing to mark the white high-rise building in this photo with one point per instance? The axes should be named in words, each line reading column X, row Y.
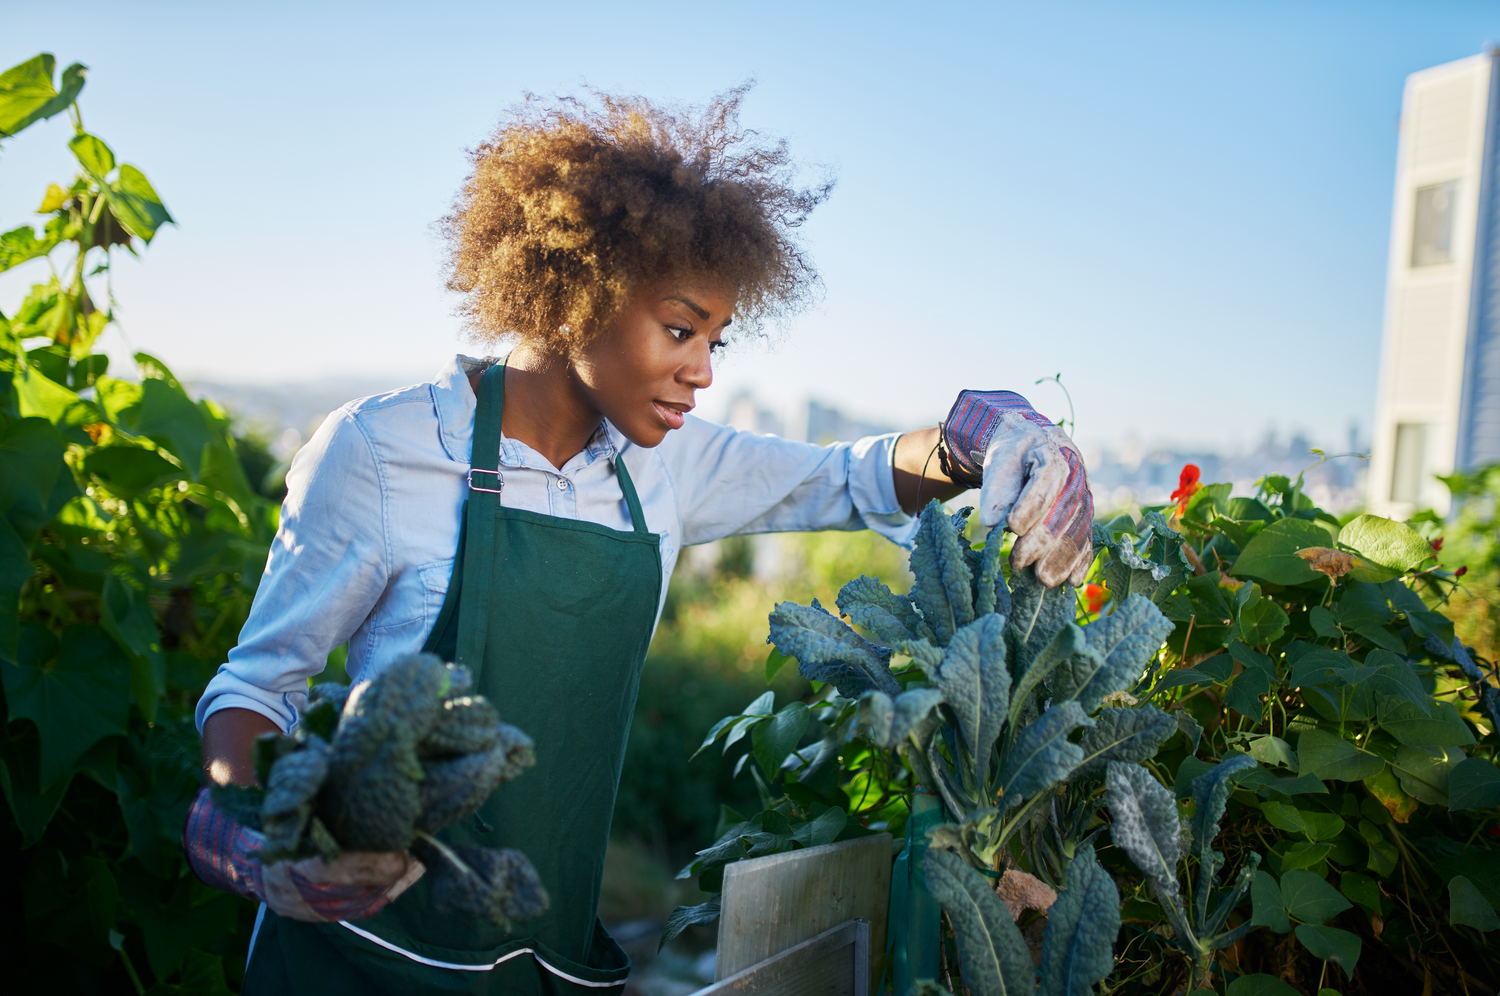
column 1439, row 401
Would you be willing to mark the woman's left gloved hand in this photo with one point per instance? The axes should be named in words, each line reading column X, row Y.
column 1031, row 477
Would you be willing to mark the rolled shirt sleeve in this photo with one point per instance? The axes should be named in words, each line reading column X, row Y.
column 328, row 567
column 731, row 483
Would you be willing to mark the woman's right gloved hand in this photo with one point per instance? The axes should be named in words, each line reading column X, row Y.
column 357, row 885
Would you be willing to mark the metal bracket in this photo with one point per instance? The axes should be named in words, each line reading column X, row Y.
column 498, row 480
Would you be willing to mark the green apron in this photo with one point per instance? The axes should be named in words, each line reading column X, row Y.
column 553, row 616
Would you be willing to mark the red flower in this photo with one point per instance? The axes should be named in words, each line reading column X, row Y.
column 1187, row 486
column 1461, row 571
column 1437, row 544
column 1094, row 597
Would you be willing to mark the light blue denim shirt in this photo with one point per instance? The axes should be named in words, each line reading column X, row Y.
column 370, row 522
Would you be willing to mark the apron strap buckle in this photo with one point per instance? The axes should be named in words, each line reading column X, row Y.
column 499, row 482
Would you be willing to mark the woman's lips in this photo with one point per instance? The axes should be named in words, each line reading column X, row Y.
column 671, row 416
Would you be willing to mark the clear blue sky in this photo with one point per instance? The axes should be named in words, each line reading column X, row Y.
column 1183, row 208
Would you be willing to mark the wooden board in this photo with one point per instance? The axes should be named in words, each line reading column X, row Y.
column 774, row 903
column 833, row 963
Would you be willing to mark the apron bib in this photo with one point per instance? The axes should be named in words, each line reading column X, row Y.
column 553, row 616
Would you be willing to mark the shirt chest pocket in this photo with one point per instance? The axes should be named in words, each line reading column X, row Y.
column 435, row 578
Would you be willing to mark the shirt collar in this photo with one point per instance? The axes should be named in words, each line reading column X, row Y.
column 456, row 406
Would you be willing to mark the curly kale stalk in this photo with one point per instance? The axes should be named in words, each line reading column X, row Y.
column 1145, row 826
column 384, row 766
column 1004, row 713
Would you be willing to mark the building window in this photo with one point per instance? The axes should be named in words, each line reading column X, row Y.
column 1411, row 466
column 1432, row 228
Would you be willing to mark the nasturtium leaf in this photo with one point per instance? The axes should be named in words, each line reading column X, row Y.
column 1308, row 898
column 991, row 951
column 1386, row 543
column 1078, row 943
column 891, row 722
column 1272, row 554
column 943, row 590
column 1274, row 751
column 1265, row 904
column 890, row 617
column 976, row 685
column 826, row 649
column 1325, row 755
column 1122, row 735
column 1474, row 784
column 1260, row 984
column 1144, row 823
column 1424, row 772
column 1361, row 889
column 1468, row 907
column 1260, row 620
column 1330, row 944
column 775, row 739
column 1442, row 728
column 75, row 688
column 1042, row 755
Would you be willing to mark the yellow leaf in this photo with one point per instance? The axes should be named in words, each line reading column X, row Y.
column 55, row 198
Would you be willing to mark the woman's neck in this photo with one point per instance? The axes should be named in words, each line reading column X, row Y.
column 543, row 407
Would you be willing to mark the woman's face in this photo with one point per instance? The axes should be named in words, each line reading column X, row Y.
column 643, row 372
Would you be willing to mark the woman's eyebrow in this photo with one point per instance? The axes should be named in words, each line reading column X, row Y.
column 696, row 309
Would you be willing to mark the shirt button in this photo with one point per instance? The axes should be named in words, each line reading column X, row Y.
column 562, row 484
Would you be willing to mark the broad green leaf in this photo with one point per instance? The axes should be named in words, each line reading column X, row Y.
column 1210, row 796
column 826, row 649
column 1386, row 543
column 1144, row 823
column 975, row 683
column 93, row 155
column 1272, row 554
column 824, row 828
column 1266, row 904
column 1260, row 984
column 21, row 244
column 775, row 739
column 1282, row 816
column 1189, row 770
column 1474, row 784
column 1331, row 944
column 1309, row 899
column 1389, row 675
column 136, row 205
column 1274, row 751
column 166, row 414
column 1468, row 907
column 1361, row 889
column 891, row 722
column 173, row 922
column 1316, row 666
column 75, row 689
column 1243, row 696
column 991, row 951
column 1301, row 785
column 27, row 96
column 1319, row 825
column 890, row 617
column 1122, row 735
column 15, row 569
column 1252, row 658
column 1304, row 855
column 1424, row 772
column 1324, row 624
column 1216, row 670
column 1260, row 621
column 683, row 917
column 130, row 470
column 1443, row 728
column 1480, row 867
column 1078, row 944
column 126, row 615
column 69, row 903
column 762, row 707
column 1325, row 755
column 775, row 661
column 943, row 591
column 20, row 766
column 1042, row 755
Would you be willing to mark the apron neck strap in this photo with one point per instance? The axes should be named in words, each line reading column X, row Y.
column 484, row 455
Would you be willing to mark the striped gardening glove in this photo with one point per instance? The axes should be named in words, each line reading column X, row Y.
column 357, row 885
column 1031, row 478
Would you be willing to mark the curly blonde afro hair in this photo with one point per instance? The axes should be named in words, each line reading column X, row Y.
column 574, row 204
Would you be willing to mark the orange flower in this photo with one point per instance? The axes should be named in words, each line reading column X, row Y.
column 1187, row 486
column 1094, row 597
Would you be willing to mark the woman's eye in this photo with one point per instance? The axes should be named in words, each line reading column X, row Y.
column 679, row 333
column 714, row 347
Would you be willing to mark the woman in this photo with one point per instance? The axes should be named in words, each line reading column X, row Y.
column 523, row 517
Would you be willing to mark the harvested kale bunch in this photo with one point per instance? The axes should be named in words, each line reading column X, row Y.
column 383, row 766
